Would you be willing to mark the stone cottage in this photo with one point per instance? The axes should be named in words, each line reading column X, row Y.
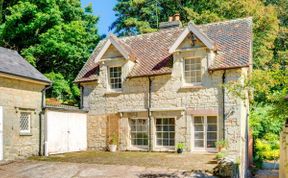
column 159, row 89
column 22, row 90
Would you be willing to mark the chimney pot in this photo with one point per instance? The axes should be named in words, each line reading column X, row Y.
column 176, row 17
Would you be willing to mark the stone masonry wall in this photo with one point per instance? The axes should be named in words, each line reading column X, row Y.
column 168, row 91
column 17, row 96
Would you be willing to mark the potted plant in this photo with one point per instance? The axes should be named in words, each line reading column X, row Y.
column 113, row 143
column 180, row 148
column 221, row 145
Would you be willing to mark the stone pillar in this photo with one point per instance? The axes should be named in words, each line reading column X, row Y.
column 283, row 172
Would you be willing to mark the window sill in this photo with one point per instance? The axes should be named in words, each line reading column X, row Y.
column 25, row 134
column 113, row 92
column 198, row 86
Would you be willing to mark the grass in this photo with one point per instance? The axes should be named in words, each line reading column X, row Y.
column 186, row 161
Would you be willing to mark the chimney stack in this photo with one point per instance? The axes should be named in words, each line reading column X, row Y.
column 173, row 21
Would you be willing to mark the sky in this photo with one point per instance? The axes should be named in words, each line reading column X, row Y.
column 104, row 10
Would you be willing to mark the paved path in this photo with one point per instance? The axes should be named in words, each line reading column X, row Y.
column 41, row 169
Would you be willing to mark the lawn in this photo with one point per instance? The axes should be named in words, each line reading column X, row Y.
column 186, row 161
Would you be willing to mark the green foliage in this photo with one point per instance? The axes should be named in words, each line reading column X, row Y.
column 222, row 143
column 113, row 139
column 180, row 146
column 220, row 155
column 267, row 148
column 54, row 35
column 262, row 121
column 61, row 88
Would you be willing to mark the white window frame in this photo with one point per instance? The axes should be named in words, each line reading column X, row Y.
column 205, row 134
column 184, row 71
column 109, row 78
column 130, row 133
column 25, row 132
column 155, row 131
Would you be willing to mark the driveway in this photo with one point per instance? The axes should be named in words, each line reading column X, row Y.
column 44, row 169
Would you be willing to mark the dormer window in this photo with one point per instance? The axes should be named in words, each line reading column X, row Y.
column 192, row 71
column 115, row 78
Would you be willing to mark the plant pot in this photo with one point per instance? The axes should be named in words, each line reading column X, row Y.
column 112, row 148
column 219, row 149
column 179, row 150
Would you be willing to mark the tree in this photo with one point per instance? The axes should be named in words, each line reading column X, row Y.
column 54, row 36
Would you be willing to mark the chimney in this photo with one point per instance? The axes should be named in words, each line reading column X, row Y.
column 173, row 22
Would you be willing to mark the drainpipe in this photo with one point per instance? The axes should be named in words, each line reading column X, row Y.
column 149, row 112
column 223, row 101
column 81, row 96
column 42, row 113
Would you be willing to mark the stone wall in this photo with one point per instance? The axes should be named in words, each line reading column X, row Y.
column 283, row 172
column 97, row 128
column 17, row 96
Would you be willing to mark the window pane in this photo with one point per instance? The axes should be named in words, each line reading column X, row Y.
column 211, row 136
column 139, row 132
column 199, row 135
column 25, row 122
column 212, row 128
column 165, row 131
column 211, row 144
column 212, row 119
column 115, row 77
column 198, row 128
column 199, row 143
column 192, row 71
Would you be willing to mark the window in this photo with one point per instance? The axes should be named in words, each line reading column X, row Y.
column 165, row 131
column 192, row 72
column 115, row 74
column 25, row 122
column 139, row 132
column 205, row 132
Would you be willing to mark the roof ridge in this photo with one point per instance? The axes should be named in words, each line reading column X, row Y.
column 146, row 34
column 226, row 21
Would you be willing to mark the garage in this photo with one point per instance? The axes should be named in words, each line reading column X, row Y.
column 66, row 130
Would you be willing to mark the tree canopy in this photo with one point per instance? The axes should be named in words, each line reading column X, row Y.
column 54, row 36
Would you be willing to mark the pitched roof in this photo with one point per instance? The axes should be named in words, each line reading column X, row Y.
column 233, row 39
column 13, row 64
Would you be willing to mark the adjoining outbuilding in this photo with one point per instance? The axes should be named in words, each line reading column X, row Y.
column 22, row 93
column 65, row 129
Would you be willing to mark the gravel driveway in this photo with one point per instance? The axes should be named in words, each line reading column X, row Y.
column 43, row 169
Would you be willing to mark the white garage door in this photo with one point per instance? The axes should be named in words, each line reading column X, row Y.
column 1, row 133
column 66, row 132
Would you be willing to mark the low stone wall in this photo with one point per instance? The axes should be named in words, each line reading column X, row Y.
column 227, row 167
column 283, row 172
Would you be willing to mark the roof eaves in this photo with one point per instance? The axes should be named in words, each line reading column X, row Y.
column 227, row 68
column 26, row 77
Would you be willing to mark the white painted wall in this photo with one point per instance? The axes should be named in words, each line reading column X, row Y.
column 1, row 133
column 65, row 132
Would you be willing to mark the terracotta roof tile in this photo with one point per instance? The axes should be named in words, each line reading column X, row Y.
column 233, row 39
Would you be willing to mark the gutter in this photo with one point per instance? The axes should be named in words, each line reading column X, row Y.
column 42, row 113
column 223, row 101
column 149, row 112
